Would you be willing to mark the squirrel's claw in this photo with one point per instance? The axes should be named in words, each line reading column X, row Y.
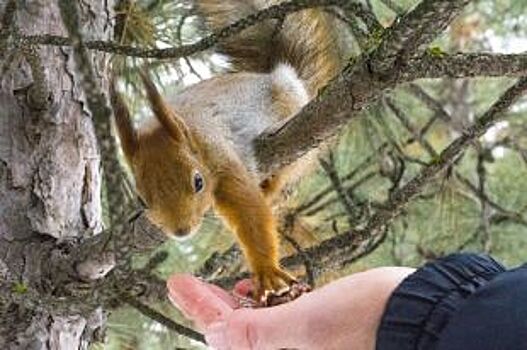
column 294, row 291
column 275, row 286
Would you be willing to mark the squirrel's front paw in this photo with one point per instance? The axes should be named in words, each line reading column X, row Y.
column 274, row 286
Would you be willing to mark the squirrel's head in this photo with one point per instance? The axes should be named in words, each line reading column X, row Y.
column 167, row 165
column 172, row 181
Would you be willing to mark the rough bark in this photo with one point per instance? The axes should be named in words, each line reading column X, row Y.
column 49, row 175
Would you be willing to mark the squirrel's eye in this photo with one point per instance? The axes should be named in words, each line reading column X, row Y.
column 199, row 183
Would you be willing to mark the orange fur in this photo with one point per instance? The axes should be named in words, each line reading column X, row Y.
column 162, row 158
column 240, row 201
column 190, row 141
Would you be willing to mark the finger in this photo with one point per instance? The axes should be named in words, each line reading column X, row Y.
column 198, row 301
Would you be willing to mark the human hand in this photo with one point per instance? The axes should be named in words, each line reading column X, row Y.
column 344, row 314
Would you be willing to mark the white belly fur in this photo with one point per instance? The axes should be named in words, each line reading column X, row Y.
column 233, row 109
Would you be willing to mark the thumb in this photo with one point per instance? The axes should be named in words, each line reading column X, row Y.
column 203, row 303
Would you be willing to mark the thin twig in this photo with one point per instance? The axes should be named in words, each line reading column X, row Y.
column 331, row 171
column 272, row 12
column 162, row 319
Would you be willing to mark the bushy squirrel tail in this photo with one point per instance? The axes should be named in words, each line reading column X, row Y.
column 306, row 40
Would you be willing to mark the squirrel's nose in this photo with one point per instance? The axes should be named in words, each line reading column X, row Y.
column 182, row 232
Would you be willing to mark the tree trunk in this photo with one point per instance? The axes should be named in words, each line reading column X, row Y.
column 49, row 176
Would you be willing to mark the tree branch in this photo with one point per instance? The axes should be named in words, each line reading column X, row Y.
column 401, row 197
column 356, row 87
column 412, row 31
column 465, row 65
column 272, row 12
column 162, row 319
column 118, row 201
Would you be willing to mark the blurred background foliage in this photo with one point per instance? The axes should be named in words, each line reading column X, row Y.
column 478, row 205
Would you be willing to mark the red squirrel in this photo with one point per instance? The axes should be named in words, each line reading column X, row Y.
column 197, row 153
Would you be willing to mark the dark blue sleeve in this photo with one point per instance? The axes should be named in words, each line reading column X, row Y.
column 462, row 301
column 493, row 318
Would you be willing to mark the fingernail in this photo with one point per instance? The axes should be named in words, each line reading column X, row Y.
column 216, row 336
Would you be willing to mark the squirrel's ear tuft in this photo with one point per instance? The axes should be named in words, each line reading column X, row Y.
column 123, row 123
column 164, row 114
